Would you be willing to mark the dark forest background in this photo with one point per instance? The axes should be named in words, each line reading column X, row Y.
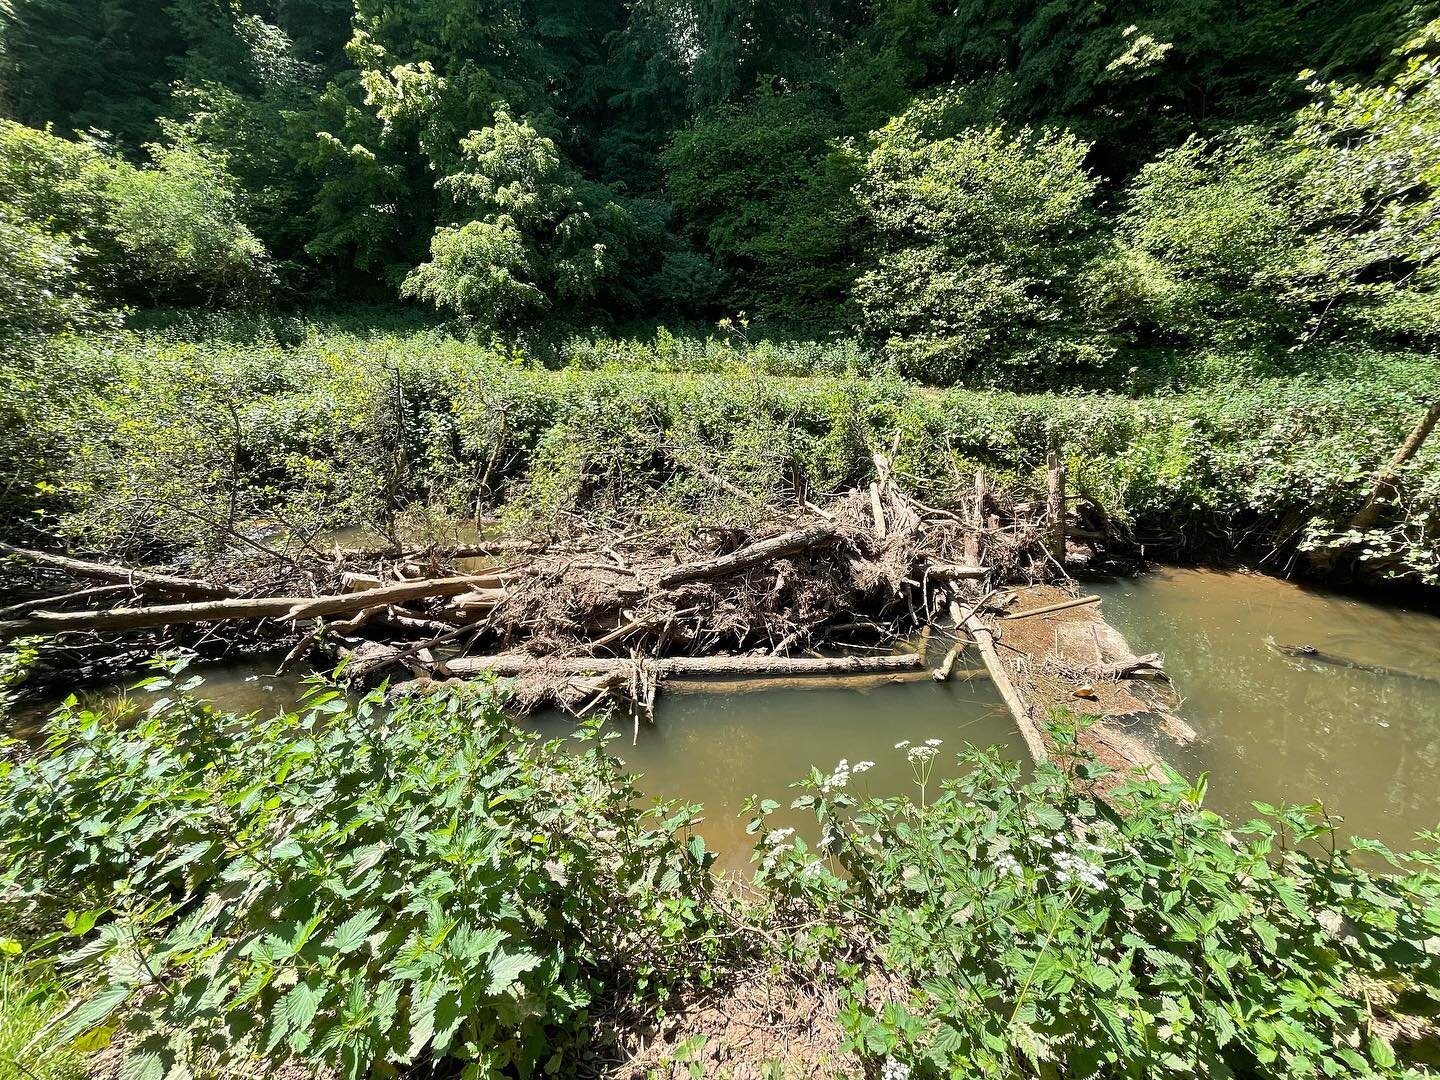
column 974, row 186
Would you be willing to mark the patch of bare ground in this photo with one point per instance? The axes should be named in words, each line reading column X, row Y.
column 762, row 1024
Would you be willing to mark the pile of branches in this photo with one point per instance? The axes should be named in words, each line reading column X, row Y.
column 608, row 615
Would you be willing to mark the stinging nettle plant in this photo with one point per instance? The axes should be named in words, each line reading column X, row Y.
column 356, row 886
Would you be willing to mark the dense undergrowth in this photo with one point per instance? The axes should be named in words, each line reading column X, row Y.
column 198, row 438
column 352, row 887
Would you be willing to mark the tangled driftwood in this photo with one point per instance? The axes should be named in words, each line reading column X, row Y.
column 612, row 616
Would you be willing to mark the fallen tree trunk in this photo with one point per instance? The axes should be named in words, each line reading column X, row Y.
column 985, row 638
column 679, row 667
column 180, row 586
column 857, row 681
column 1383, row 489
column 262, row 607
column 1079, row 601
column 777, row 547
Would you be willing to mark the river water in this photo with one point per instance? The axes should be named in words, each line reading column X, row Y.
column 1279, row 728
column 1271, row 727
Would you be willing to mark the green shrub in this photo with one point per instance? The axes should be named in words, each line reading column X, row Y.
column 1025, row 927
column 358, row 886
column 170, row 231
column 539, row 237
column 981, row 233
column 161, row 441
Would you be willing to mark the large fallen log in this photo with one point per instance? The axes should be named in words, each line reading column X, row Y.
column 679, row 667
column 861, row 682
column 289, row 608
column 985, row 639
column 776, row 547
column 170, row 583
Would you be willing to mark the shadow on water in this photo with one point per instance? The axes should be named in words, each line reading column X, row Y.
column 1278, row 728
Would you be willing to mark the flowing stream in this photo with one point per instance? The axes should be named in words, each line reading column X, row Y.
column 1272, row 727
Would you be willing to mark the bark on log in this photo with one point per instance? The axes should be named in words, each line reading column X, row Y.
column 877, row 510
column 1019, row 709
column 1080, row 601
column 263, row 607
column 777, row 547
column 1384, row 488
column 1151, row 663
column 180, row 586
column 953, row 570
column 972, row 538
column 1055, row 505
column 860, row 682
column 680, row 667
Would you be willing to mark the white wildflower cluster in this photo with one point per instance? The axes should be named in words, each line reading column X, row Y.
column 921, row 755
column 1006, row 864
column 902, row 744
column 813, row 868
column 1071, row 867
column 778, row 841
column 895, row 1070
column 861, row 766
column 839, row 778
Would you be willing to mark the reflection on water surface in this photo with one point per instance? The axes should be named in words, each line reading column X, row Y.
column 1280, row 728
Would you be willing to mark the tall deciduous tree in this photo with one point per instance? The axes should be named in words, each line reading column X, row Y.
column 539, row 234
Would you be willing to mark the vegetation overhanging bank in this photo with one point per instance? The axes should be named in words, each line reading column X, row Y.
column 161, row 444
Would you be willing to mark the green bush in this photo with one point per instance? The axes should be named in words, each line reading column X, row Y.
column 160, row 441
column 358, row 886
column 766, row 190
column 981, row 232
column 1030, row 928
column 540, row 238
column 171, row 231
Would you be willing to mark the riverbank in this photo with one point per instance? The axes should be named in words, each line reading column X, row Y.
column 158, row 443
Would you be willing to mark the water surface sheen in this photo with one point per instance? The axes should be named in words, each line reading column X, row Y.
column 1280, row 728
column 717, row 749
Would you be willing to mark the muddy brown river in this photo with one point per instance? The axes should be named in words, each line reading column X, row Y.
column 1280, row 728
column 1271, row 727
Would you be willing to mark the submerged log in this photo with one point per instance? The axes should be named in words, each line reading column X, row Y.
column 776, row 547
column 171, row 583
column 263, row 607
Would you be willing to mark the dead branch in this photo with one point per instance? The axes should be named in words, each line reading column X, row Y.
column 289, row 608
column 1048, row 608
column 180, row 586
column 776, row 547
